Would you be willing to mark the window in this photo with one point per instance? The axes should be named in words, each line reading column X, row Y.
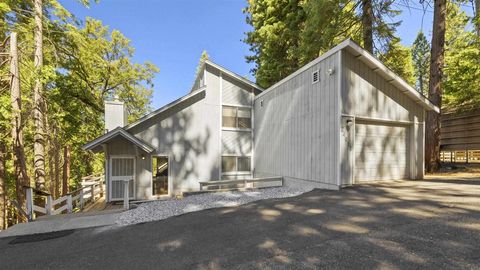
column 236, row 164
column 244, row 118
column 236, row 117
column 243, row 164
column 159, row 176
column 229, row 164
column 315, row 76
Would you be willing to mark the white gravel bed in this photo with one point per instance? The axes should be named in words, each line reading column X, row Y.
column 162, row 209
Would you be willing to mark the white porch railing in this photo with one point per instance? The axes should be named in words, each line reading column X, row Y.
column 91, row 190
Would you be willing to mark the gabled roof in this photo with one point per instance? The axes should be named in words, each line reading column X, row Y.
column 372, row 62
column 118, row 132
column 231, row 74
column 166, row 107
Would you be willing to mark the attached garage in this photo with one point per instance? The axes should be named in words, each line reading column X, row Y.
column 342, row 119
column 382, row 151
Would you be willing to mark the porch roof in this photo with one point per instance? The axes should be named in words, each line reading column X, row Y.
column 114, row 133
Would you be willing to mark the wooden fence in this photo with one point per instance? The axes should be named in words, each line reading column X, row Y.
column 91, row 190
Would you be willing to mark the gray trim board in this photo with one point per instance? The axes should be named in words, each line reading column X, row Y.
column 166, row 107
column 118, row 132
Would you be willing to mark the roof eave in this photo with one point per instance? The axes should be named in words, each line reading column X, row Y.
column 233, row 74
column 390, row 76
column 114, row 133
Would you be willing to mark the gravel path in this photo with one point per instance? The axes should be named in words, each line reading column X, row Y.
column 162, row 209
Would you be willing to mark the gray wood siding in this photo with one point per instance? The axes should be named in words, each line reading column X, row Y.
column 296, row 130
column 190, row 136
column 369, row 97
column 367, row 94
column 235, row 92
column 237, row 143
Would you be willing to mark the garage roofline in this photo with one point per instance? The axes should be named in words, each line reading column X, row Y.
column 374, row 64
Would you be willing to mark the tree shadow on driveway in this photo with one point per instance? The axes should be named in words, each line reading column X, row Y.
column 403, row 224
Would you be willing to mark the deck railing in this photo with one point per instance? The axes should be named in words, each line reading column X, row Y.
column 92, row 187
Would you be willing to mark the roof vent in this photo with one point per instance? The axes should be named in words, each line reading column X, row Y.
column 315, row 76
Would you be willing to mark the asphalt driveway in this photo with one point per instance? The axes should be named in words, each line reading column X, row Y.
column 401, row 225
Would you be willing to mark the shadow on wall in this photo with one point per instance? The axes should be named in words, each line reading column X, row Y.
column 184, row 135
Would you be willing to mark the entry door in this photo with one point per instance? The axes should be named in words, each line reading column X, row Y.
column 122, row 169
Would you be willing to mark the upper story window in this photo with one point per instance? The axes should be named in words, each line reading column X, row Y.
column 236, row 117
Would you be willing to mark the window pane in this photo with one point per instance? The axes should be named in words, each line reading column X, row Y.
column 229, row 116
column 244, row 112
column 229, row 111
column 244, row 118
column 244, row 123
column 244, row 164
column 228, row 164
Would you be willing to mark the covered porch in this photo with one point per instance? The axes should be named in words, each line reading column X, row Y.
column 130, row 159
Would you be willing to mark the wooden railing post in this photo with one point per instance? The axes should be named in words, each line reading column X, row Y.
column 49, row 206
column 101, row 188
column 81, row 199
column 125, row 194
column 29, row 203
column 92, row 191
column 69, row 204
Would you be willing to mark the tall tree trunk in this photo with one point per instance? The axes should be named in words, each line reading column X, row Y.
column 19, row 163
column 66, row 169
column 367, row 25
column 477, row 16
column 3, row 174
column 56, row 161
column 432, row 128
column 39, row 106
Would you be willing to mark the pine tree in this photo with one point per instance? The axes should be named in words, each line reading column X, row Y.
column 38, row 96
column 274, row 40
column 204, row 57
column 421, row 62
column 462, row 61
column 399, row 59
column 432, row 123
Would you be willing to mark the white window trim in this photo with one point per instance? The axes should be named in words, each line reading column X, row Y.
column 236, row 116
column 237, row 105
column 236, row 165
column 236, row 129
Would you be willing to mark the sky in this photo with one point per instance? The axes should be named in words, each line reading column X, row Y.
column 172, row 35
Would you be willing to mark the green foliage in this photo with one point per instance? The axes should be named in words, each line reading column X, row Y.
column 399, row 59
column 327, row 23
column 204, row 57
column 275, row 38
column 290, row 33
column 462, row 62
column 84, row 64
column 421, row 62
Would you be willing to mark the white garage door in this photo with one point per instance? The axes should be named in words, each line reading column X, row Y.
column 381, row 151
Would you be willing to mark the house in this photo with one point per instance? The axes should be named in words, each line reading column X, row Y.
column 341, row 119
